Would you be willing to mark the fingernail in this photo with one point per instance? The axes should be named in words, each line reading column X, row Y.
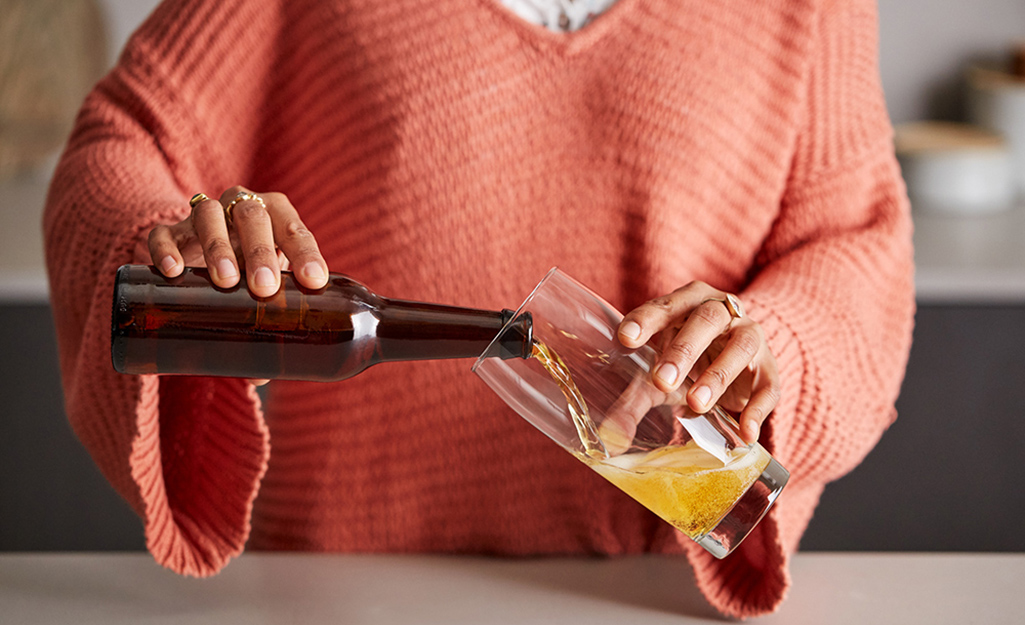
column 667, row 373
column 264, row 277
column 630, row 330
column 168, row 265
column 752, row 430
column 226, row 270
column 313, row 271
column 703, row 394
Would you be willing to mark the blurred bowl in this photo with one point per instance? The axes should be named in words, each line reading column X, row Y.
column 996, row 101
column 955, row 168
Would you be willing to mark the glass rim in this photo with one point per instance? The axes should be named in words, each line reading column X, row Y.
column 519, row 310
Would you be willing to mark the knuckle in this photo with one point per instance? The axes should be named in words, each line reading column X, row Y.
column 206, row 209
column 235, row 190
column 663, row 303
column 756, row 412
column 296, row 230
column 718, row 376
column 766, row 401
column 652, row 314
column 261, row 251
column 748, row 342
column 217, row 248
column 752, row 328
column 682, row 352
column 249, row 211
column 712, row 314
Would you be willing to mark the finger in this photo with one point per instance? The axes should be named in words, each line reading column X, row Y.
column 763, row 402
column 744, row 343
column 164, row 252
column 212, row 231
column 296, row 241
column 252, row 224
column 618, row 428
column 653, row 316
column 704, row 325
column 207, row 220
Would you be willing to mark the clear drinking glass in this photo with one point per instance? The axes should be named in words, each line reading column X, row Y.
column 693, row 470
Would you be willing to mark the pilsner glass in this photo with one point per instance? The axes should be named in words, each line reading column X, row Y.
column 693, row 470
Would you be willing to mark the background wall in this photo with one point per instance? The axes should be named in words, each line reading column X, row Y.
column 123, row 17
column 939, row 480
column 925, row 45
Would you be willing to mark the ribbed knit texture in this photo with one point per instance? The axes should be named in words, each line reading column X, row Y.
column 445, row 151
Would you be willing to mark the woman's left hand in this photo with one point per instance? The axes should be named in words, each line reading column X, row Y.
column 708, row 338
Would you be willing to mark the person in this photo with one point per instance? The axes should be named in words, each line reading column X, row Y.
column 665, row 154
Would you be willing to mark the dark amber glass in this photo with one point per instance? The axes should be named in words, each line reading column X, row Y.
column 186, row 325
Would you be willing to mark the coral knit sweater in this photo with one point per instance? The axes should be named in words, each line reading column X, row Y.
column 445, row 151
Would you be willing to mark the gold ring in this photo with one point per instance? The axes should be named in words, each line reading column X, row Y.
column 241, row 196
column 732, row 304
column 197, row 198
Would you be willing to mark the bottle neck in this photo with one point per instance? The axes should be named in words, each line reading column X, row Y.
column 420, row 331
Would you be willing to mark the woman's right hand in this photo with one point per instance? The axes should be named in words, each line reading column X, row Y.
column 247, row 240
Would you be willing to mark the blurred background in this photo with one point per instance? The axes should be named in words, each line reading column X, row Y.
column 942, row 479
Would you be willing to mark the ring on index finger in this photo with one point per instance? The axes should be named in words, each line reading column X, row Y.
column 242, row 196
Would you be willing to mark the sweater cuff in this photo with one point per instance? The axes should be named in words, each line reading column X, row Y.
column 199, row 454
column 755, row 578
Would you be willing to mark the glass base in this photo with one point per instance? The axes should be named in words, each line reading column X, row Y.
column 746, row 513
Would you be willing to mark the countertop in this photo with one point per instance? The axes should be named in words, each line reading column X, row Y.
column 829, row 588
column 978, row 259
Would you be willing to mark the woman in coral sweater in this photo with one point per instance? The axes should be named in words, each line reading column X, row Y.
column 450, row 151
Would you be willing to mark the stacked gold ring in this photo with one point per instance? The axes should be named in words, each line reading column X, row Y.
column 242, row 196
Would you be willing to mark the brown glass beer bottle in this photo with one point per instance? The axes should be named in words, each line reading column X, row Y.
column 186, row 325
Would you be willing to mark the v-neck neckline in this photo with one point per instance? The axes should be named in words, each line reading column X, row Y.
column 564, row 44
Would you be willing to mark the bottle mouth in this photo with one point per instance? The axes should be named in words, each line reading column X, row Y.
column 516, row 320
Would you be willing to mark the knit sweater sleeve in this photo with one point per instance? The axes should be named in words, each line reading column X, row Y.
column 833, row 289
column 171, row 119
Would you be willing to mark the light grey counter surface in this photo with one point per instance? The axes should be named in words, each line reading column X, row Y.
column 829, row 588
column 977, row 259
